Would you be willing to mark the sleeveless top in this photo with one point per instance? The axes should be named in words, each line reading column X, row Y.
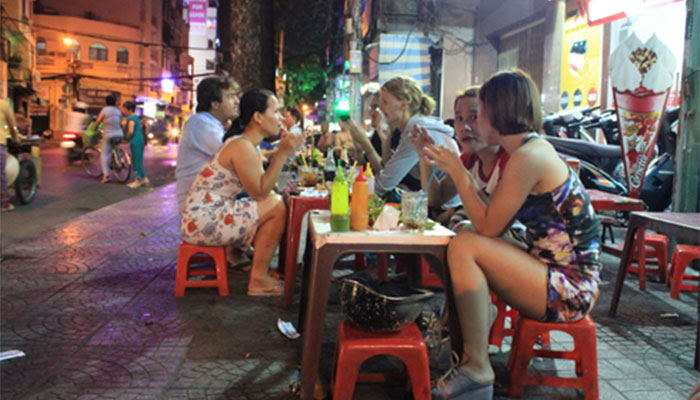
column 562, row 226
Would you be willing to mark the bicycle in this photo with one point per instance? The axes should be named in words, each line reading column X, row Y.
column 119, row 160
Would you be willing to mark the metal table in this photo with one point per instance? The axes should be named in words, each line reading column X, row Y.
column 682, row 226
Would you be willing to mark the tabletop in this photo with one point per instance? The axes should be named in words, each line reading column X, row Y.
column 608, row 201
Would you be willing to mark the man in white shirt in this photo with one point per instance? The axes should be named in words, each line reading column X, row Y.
column 293, row 120
column 217, row 103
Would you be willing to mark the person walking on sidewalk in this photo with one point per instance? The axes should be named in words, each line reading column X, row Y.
column 217, row 103
column 557, row 278
column 134, row 135
column 215, row 214
column 111, row 119
column 7, row 118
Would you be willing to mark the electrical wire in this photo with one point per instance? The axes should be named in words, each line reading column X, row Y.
column 107, row 38
column 408, row 36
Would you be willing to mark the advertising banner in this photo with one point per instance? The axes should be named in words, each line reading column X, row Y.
column 198, row 15
column 581, row 64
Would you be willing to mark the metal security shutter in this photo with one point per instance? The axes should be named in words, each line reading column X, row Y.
column 524, row 49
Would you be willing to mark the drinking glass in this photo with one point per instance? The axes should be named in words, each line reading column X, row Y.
column 414, row 211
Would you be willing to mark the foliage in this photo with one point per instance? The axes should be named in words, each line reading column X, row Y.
column 305, row 81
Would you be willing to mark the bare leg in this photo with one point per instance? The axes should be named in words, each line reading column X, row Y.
column 273, row 216
column 478, row 263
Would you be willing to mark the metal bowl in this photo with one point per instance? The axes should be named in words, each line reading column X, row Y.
column 377, row 312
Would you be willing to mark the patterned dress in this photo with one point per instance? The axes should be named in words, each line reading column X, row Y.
column 563, row 231
column 213, row 215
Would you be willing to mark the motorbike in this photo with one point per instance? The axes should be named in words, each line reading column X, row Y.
column 75, row 142
column 24, row 177
column 602, row 166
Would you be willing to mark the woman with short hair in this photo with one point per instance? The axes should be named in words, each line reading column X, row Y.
column 557, row 278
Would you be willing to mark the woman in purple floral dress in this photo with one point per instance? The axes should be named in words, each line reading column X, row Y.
column 557, row 278
column 231, row 201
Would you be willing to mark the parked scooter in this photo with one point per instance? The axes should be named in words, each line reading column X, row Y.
column 602, row 166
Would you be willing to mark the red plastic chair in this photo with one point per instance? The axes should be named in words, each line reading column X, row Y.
column 682, row 256
column 355, row 346
column 584, row 353
column 656, row 253
column 499, row 330
column 185, row 253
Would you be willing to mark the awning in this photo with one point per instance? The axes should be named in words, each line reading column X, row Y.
column 402, row 55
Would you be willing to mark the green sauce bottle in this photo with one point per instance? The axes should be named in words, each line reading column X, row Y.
column 340, row 210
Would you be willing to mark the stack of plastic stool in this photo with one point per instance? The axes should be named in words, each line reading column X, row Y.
column 498, row 328
column 682, row 256
column 584, row 354
column 355, row 346
column 185, row 252
column 656, row 253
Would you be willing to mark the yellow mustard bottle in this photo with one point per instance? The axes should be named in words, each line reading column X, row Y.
column 359, row 205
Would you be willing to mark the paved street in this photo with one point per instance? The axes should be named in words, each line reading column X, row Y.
column 91, row 304
column 67, row 192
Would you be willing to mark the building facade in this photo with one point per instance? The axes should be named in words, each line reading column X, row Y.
column 135, row 49
column 18, row 75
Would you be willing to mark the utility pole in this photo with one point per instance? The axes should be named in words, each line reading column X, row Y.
column 353, row 37
column 687, row 177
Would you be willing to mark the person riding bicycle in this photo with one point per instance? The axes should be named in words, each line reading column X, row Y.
column 111, row 119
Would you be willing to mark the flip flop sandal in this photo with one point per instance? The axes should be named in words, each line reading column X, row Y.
column 276, row 290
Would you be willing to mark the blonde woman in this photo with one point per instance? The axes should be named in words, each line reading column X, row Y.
column 405, row 106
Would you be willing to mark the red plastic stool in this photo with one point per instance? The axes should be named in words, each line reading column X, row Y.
column 682, row 256
column 499, row 330
column 355, row 346
column 584, row 353
column 185, row 253
column 656, row 253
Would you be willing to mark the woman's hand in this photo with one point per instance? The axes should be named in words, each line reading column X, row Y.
column 290, row 142
column 419, row 139
column 446, row 158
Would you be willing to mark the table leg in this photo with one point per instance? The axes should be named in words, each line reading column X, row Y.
column 451, row 307
column 319, row 284
column 625, row 258
column 290, row 255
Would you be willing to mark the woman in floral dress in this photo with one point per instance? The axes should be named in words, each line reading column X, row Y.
column 556, row 279
column 218, row 211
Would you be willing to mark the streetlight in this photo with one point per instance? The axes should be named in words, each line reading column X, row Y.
column 72, row 48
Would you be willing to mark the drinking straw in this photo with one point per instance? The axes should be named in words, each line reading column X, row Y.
column 352, row 169
column 425, row 193
column 303, row 159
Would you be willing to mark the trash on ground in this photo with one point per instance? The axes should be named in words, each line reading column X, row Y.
column 287, row 329
column 6, row 355
column 669, row 315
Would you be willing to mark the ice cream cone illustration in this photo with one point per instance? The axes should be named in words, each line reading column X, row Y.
column 641, row 75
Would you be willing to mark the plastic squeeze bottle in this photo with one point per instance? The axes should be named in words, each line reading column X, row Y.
column 359, row 205
column 340, row 220
column 370, row 181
